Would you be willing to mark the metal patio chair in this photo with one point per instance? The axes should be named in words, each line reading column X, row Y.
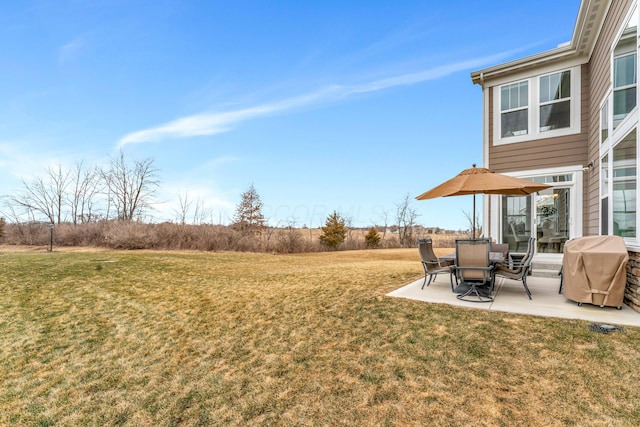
column 431, row 264
column 517, row 238
column 473, row 268
column 517, row 270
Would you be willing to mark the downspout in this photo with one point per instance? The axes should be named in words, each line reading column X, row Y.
column 486, row 200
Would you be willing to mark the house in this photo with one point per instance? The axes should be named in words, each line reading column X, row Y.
column 569, row 117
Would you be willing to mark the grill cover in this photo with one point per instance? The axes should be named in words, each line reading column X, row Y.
column 594, row 270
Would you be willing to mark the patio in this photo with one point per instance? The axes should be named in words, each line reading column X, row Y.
column 510, row 296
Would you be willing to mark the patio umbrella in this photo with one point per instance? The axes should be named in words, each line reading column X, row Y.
column 482, row 181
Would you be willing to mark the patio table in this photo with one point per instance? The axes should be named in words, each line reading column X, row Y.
column 494, row 257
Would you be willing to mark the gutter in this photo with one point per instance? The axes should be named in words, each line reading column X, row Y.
column 585, row 33
column 558, row 54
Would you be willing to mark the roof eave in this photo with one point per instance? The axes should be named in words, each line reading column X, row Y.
column 588, row 24
column 558, row 54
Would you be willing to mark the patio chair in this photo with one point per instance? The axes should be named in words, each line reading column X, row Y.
column 517, row 270
column 561, row 279
column 431, row 264
column 473, row 268
column 502, row 248
column 518, row 239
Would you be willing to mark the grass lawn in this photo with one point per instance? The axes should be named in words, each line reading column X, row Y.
column 167, row 338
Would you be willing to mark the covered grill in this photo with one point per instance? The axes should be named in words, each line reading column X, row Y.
column 594, row 270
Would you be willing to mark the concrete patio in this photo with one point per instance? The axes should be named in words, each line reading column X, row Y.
column 510, row 296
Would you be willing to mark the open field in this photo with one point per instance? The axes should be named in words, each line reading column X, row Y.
column 195, row 338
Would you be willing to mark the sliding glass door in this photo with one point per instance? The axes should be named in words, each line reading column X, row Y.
column 546, row 215
column 552, row 219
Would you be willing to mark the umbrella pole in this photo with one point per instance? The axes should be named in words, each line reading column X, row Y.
column 473, row 235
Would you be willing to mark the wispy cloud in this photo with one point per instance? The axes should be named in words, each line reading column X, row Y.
column 219, row 161
column 71, row 50
column 219, row 122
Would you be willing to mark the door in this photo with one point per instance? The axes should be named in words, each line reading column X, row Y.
column 553, row 209
column 552, row 216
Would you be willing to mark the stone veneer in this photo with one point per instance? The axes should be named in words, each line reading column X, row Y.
column 632, row 291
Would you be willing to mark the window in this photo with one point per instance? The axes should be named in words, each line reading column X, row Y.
column 604, row 122
column 619, row 139
column 624, row 187
column 514, row 99
column 555, row 101
column 624, row 86
column 552, row 179
column 604, row 195
column 604, row 175
column 539, row 107
column 625, row 76
column 516, row 221
column 553, row 211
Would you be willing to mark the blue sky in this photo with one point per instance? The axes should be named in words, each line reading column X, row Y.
column 321, row 105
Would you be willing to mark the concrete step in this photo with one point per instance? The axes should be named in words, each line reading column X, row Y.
column 546, row 266
column 549, row 274
column 545, row 269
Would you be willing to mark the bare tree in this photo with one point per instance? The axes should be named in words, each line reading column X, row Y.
column 406, row 217
column 469, row 218
column 87, row 185
column 290, row 239
column 131, row 187
column 188, row 207
column 201, row 212
column 45, row 195
column 348, row 223
column 384, row 216
column 9, row 209
column 184, row 206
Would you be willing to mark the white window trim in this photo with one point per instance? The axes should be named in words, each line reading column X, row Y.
column 554, row 101
column 534, row 110
column 519, row 108
column 622, row 88
column 606, row 100
column 631, row 242
column 627, row 126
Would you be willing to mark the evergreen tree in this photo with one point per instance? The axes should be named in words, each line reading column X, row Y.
column 372, row 238
column 249, row 217
column 334, row 232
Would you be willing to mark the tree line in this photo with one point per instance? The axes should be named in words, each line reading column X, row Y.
column 121, row 190
column 110, row 206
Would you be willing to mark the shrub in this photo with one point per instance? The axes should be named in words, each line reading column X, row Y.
column 372, row 238
column 289, row 240
column 334, row 232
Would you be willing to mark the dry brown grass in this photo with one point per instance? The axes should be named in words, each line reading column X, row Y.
column 166, row 338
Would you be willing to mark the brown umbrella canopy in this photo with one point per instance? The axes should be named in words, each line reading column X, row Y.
column 482, row 181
